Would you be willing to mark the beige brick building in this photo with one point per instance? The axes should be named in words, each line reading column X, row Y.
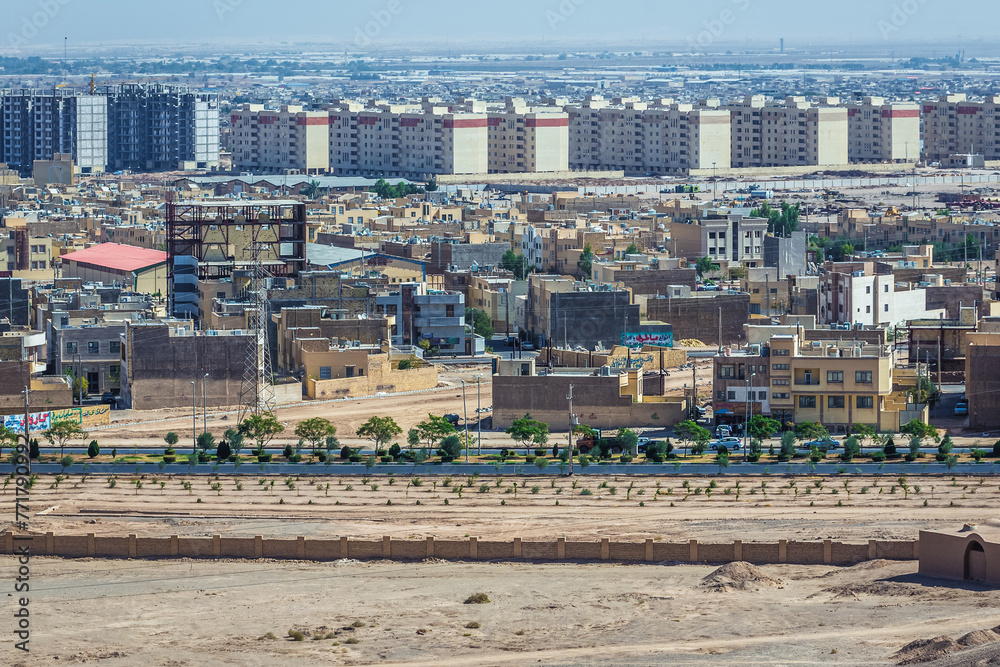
column 789, row 134
column 881, row 131
column 954, row 125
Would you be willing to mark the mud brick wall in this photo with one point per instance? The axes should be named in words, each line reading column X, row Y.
column 803, row 553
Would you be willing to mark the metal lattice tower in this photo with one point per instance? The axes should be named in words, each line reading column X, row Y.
column 257, row 392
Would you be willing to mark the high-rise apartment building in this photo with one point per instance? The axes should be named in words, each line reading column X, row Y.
column 881, row 131
column 639, row 137
column 287, row 140
column 953, row 125
column 37, row 125
column 406, row 142
column 522, row 139
column 795, row 133
column 152, row 128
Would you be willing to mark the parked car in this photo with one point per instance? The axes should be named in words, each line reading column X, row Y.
column 722, row 432
column 823, row 444
column 528, row 345
column 731, row 443
column 961, row 409
column 108, row 398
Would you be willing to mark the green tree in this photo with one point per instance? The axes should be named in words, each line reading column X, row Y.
column 919, row 428
column 413, row 438
column 811, row 431
column 629, row 440
column 762, row 428
column 690, row 431
column 93, row 449
column 517, row 264
column 788, row 444
column 586, row 262
column 206, row 441
column 310, row 190
column 62, row 432
column 480, row 321
column 8, row 438
column 527, row 430
column 261, row 429
column 171, row 439
column 234, row 439
column 632, row 249
column 224, row 451
column 705, row 265
column 434, row 428
column 315, row 430
column 379, row 430
column 452, row 446
column 864, row 432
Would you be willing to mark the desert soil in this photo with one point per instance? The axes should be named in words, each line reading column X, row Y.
column 196, row 613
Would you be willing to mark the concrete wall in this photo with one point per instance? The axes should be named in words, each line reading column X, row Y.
column 698, row 317
column 597, row 401
column 799, row 553
column 395, row 381
column 649, row 359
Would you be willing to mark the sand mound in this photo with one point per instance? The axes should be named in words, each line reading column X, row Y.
column 876, row 564
column 739, row 575
column 979, row 637
column 690, row 342
column 885, row 588
column 925, row 650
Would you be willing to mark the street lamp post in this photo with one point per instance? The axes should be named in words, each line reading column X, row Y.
column 194, row 416
column 204, row 404
column 714, row 183
column 479, row 412
column 465, row 409
column 746, row 427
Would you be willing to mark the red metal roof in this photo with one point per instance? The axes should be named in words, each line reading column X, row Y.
column 117, row 256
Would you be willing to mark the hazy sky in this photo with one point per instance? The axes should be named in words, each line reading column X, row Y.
column 34, row 25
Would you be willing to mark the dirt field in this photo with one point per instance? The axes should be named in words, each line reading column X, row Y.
column 181, row 613
column 763, row 508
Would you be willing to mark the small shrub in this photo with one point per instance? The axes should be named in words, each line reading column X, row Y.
column 296, row 635
column 358, row 624
column 473, row 625
column 478, row 598
column 535, row 489
column 351, row 640
column 586, row 492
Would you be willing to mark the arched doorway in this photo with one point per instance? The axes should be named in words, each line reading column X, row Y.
column 975, row 562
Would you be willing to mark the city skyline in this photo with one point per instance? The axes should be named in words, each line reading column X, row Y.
column 40, row 26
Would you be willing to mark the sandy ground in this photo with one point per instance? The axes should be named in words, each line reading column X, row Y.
column 181, row 613
column 761, row 508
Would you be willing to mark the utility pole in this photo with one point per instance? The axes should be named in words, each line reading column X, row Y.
column 694, row 390
column 572, row 425
column 720, row 329
column 27, row 430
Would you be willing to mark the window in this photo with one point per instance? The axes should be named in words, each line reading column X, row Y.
column 781, row 353
column 727, row 371
column 865, row 402
column 834, row 401
column 732, row 395
column 114, row 347
column 781, row 383
column 779, row 396
column 807, row 401
column 114, row 370
column 863, row 377
column 70, row 347
column 781, row 367
column 835, row 376
column 93, row 347
column 324, row 373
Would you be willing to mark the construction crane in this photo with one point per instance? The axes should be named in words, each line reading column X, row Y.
column 93, row 84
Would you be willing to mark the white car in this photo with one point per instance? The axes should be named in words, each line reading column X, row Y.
column 731, row 443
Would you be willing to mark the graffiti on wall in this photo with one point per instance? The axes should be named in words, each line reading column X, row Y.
column 637, row 340
column 40, row 421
